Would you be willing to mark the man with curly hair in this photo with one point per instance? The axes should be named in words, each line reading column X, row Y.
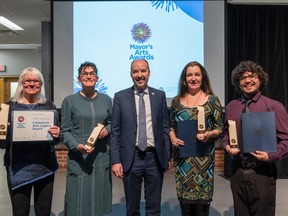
column 253, row 179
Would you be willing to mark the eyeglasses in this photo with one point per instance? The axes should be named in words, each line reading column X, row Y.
column 28, row 81
column 85, row 74
column 251, row 76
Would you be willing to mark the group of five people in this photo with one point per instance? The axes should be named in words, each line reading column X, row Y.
column 119, row 147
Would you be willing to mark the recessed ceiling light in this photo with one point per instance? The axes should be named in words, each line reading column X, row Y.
column 9, row 24
column 21, row 46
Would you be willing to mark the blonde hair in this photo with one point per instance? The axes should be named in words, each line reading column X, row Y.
column 18, row 96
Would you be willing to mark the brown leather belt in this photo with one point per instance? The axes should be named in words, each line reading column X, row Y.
column 252, row 164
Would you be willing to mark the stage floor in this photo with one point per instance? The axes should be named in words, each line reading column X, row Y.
column 221, row 206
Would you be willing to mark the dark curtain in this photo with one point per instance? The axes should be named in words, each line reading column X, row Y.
column 259, row 33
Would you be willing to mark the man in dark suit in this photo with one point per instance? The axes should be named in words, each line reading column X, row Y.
column 132, row 160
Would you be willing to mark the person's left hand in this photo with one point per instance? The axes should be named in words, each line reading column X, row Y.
column 204, row 137
column 171, row 164
column 54, row 131
column 260, row 155
column 103, row 133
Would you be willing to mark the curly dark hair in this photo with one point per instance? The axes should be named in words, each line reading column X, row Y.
column 205, row 87
column 86, row 64
column 252, row 67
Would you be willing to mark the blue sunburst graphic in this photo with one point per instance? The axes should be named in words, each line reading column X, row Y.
column 169, row 5
column 100, row 86
column 193, row 9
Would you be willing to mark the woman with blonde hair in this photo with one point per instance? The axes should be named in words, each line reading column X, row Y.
column 31, row 164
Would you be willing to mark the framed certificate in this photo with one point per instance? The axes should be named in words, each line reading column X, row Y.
column 32, row 125
column 259, row 132
column 187, row 131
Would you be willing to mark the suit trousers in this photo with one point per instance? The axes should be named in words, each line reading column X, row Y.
column 145, row 167
column 254, row 191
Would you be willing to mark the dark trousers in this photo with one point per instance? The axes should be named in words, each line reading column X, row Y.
column 254, row 191
column 194, row 209
column 43, row 191
column 145, row 167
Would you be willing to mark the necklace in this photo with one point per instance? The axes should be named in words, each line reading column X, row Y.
column 195, row 103
column 30, row 106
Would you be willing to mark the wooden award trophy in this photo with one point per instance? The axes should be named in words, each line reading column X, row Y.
column 201, row 120
column 94, row 136
column 4, row 113
column 232, row 134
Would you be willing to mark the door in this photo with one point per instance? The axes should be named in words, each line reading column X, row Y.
column 7, row 87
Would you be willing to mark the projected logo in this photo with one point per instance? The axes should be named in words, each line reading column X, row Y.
column 141, row 32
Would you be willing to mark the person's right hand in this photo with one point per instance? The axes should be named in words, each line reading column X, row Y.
column 117, row 170
column 171, row 164
column 232, row 151
column 82, row 148
column 176, row 142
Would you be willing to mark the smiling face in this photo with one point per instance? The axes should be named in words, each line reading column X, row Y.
column 88, row 78
column 31, row 85
column 249, row 84
column 193, row 79
column 140, row 74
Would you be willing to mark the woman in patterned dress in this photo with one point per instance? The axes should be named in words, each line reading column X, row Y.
column 195, row 175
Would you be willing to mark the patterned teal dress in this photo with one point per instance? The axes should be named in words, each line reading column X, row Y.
column 195, row 175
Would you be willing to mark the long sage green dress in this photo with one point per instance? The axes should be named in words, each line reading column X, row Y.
column 88, row 186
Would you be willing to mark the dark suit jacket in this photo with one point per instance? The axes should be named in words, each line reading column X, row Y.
column 124, row 127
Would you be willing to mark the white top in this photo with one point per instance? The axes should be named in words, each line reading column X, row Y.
column 149, row 129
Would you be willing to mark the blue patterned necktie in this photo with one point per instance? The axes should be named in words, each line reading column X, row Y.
column 142, row 139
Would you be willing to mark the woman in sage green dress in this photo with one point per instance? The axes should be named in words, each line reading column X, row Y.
column 195, row 174
column 88, row 186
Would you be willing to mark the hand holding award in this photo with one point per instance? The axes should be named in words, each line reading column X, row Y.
column 94, row 136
